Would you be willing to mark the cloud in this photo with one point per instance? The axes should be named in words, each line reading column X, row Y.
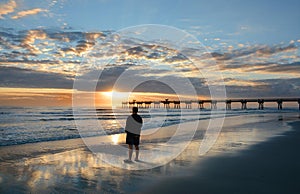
column 56, row 41
column 241, row 82
column 39, row 48
column 266, row 88
column 65, row 68
column 76, row 43
column 165, row 85
column 257, row 50
column 122, row 77
column 176, row 58
column 6, row 8
column 17, row 77
column 290, row 68
column 257, row 60
column 279, row 68
column 29, row 40
column 154, row 86
column 267, row 50
column 29, row 12
column 54, row 57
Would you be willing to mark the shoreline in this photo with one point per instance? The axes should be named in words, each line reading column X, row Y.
column 56, row 146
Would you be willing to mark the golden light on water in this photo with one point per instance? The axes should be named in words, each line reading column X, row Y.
column 115, row 139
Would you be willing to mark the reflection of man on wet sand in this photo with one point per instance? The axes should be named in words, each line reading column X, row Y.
column 133, row 127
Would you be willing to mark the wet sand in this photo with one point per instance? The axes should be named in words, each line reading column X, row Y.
column 249, row 156
column 268, row 167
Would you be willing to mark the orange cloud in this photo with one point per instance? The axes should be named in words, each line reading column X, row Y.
column 25, row 13
column 240, row 82
column 29, row 39
column 6, row 8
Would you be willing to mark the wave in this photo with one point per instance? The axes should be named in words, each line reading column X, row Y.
column 5, row 113
column 58, row 119
column 26, row 141
column 38, row 125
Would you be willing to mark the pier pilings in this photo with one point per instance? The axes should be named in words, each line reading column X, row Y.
column 244, row 104
column 213, row 103
column 260, row 104
column 228, row 104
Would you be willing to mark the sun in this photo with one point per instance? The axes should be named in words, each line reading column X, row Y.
column 111, row 98
column 108, row 93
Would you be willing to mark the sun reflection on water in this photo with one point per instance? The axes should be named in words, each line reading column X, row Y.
column 115, row 139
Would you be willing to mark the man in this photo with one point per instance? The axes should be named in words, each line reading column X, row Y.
column 133, row 127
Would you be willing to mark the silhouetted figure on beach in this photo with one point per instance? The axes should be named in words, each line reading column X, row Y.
column 133, row 128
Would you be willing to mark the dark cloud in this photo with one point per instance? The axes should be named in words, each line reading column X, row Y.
column 258, row 50
column 25, row 61
column 138, row 50
column 266, row 88
column 154, row 55
column 269, row 50
column 279, row 68
column 100, row 80
column 176, row 58
column 16, row 77
column 73, row 36
column 264, row 67
column 154, row 86
column 109, row 76
column 122, row 78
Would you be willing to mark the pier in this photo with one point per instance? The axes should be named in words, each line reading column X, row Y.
column 212, row 103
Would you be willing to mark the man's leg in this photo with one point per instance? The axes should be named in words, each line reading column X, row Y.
column 130, row 147
column 137, row 152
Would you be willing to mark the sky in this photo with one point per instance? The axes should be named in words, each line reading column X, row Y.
column 46, row 45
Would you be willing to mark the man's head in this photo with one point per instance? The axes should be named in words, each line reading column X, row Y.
column 135, row 110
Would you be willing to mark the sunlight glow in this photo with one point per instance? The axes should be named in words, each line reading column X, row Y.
column 115, row 138
column 108, row 94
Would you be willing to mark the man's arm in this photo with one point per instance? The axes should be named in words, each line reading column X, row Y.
column 126, row 126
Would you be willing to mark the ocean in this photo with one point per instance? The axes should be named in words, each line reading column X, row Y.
column 19, row 125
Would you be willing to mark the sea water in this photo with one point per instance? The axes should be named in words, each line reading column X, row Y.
column 21, row 125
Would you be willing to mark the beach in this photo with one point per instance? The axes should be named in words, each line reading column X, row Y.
column 268, row 167
column 254, row 153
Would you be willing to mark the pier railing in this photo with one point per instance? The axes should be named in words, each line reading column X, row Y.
column 213, row 103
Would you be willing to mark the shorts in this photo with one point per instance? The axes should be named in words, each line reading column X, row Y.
column 132, row 139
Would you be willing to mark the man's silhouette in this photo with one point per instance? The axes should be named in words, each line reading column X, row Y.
column 133, row 127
